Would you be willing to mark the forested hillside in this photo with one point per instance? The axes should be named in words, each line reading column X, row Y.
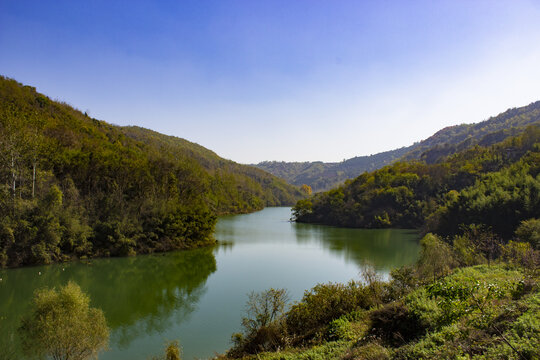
column 231, row 187
column 473, row 292
column 324, row 176
column 74, row 186
column 460, row 137
column 489, row 188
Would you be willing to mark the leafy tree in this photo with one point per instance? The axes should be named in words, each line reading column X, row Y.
column 520, row 253
column 306, row 189
column 63, row 326
column 263, row 323
column 529, row 231
column 466, row 251
column 308, row 318
column 172, row 352
column 436, row 257
column 264, row 307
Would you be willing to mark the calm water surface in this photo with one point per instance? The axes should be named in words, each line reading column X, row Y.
column 198, row 296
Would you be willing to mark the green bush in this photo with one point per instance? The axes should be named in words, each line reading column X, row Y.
column 403, row 281
column 436, row 257
column 465, row 251
column 523, row 335
column 263, row 327
column 425, row 308
column 322, row 304
column 442, row 344
column 395, row 324
column 521, row 254
column 457, row 298
column 63, row 326
column 529, row 231
column 371, row 351
column 340, row 329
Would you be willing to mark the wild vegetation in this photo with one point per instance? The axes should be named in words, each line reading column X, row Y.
column 172, row 352
column 435, row 309
column 73, row 186
column 450, row 140
column 473, row 293
column 62, row 326
column 482, row 189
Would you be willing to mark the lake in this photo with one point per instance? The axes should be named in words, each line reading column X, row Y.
column 198, row 296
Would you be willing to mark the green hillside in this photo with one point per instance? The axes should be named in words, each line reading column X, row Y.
column 74, row 186
column 456, row 138
column 232, row 187
column 472, row 188
column 324, row 176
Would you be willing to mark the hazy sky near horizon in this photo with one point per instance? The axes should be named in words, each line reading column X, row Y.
column 288, row 80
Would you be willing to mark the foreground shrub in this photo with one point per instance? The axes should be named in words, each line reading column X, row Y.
column 322, row 304
column 424, row 308
column 340, row 329
column 442, row 344
column 436, row 257
column 263, row 326
column 403, row 281
column 529, row 231
column 521, row 254
column 523, row 336
column 472, row 338
column 395, row 324
column 457, row 298
column 172, row 352
column 62, row 325
column 371, row 351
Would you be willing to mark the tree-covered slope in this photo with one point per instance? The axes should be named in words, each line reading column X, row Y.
column 493, row 187
column 74, row 186
column 456, row 138
column 232, row 187
column 324, row 176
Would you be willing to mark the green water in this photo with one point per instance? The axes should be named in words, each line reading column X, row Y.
column 198, row 296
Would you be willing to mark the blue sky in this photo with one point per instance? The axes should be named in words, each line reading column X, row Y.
column 279, row 80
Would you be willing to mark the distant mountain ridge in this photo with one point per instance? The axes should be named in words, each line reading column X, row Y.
column 323, row 176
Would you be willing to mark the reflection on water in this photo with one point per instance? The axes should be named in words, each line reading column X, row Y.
column 139, row 295
column 384, row 248
column 198, row 296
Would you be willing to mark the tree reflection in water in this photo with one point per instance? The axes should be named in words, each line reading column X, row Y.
column 139, row 295
column 384, row 248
